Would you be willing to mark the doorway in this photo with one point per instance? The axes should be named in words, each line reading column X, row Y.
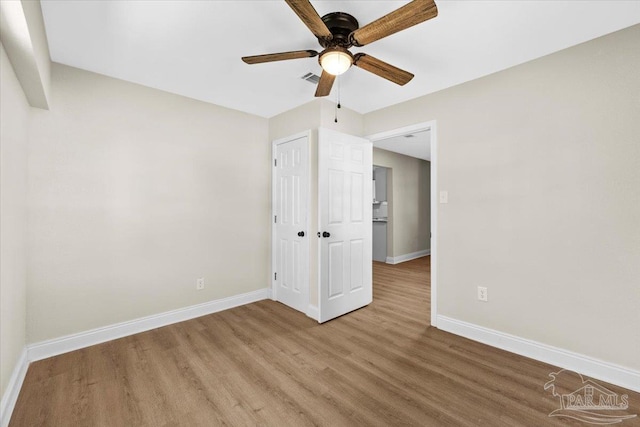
column 391, row 141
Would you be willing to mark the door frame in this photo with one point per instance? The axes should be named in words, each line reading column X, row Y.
column 273, row 290
column 432, row 126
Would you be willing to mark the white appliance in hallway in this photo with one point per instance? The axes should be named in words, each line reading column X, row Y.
column 380, row 240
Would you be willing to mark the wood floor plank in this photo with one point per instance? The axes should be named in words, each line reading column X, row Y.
column 268, row 365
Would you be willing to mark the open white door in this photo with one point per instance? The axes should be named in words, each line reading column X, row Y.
column 290, row 234
column 344, row 208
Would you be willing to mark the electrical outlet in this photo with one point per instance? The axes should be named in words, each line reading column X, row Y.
column 200, row 284
column 483, row 295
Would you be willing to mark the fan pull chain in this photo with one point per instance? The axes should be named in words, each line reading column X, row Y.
column 337, row 101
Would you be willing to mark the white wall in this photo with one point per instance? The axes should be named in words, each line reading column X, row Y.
column 133, row 194
column 541, row 162
column 14, row 120
column 408, row 193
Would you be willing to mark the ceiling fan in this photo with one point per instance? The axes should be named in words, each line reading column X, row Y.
column 338, row 31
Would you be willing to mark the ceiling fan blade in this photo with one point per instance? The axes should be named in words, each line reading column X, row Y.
column 382, row 69
column 325, row 84
column 282, row 56
column 310, row 17
column 400, row 19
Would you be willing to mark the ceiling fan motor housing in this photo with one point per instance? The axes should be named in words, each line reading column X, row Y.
column 341, row 25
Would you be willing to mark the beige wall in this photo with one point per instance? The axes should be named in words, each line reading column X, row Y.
column 541, row 162
column 312, row 115
column 134, row 194
column 14, row 119
column 306, row 117
column 349, row 121
column 408, row 193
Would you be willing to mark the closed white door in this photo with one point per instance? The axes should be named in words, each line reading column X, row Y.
column 291, row 239
column 345, row 209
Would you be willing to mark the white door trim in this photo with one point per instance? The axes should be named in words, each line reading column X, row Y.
column 430, row 125
column 274, row 145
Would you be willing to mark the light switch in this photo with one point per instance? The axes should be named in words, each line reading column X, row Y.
column 444, row 196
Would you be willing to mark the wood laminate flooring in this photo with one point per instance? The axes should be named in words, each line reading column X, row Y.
column 266, row 364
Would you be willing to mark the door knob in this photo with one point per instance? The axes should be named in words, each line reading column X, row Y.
column 326, row 234
column 301, row 233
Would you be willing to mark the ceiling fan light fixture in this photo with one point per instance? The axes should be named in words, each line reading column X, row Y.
column 335, row 60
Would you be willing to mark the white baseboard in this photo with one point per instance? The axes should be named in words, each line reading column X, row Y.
column 312, row 312
column 10, row 396
column 585, row 365
column 407, row 257
column 54, row 347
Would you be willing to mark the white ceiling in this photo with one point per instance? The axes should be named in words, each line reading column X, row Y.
column 418, row 145
column 193, row 48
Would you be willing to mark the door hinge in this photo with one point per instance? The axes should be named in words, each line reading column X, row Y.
column 275, row 162
column 275, row 219
column 275, row 276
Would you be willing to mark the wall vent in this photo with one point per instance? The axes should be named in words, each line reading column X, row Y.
column 311, row 78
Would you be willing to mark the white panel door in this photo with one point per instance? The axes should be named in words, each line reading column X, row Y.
column 291, row 240
column 344, row 205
